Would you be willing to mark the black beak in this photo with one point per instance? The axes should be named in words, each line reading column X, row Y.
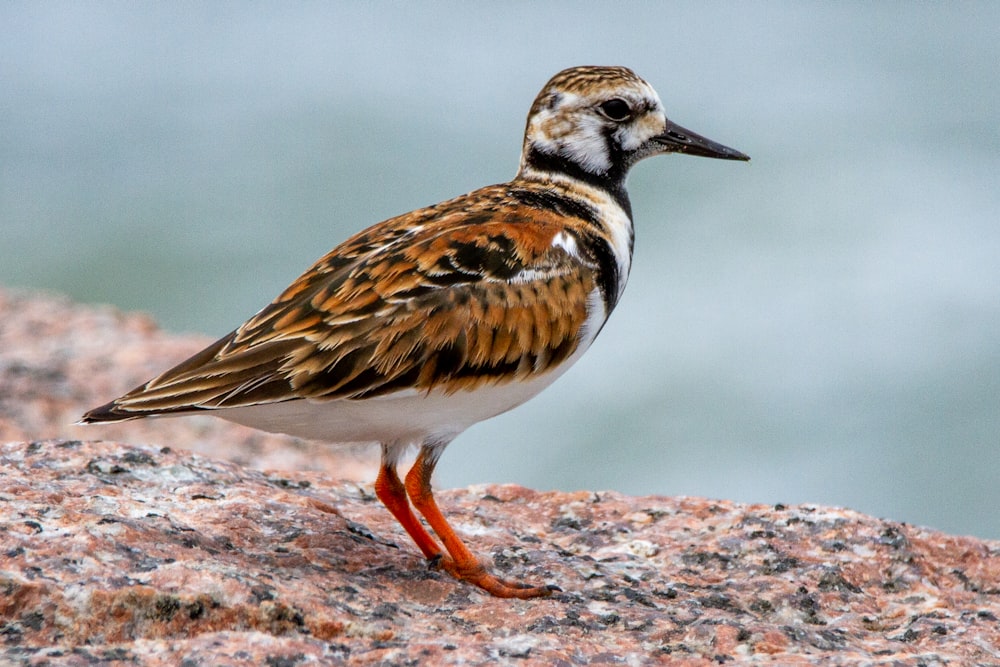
column 675, row 139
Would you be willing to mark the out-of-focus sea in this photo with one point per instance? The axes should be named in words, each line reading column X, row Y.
column 819, row 326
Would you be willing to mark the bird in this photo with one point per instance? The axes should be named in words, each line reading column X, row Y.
column 422, row 325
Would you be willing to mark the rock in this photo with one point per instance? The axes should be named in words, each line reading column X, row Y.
column 153, row 556
column 58, row 359
column 149, row 554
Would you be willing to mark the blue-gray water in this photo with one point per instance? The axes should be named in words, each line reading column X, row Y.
column 822, row 325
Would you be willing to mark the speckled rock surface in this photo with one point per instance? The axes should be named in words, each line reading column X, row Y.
column 114, row 553
column 150, row 556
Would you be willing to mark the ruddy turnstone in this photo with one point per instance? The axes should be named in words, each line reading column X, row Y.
column 418, row 327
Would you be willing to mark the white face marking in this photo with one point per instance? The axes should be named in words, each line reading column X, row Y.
column 572, row 130
column 572, row 126
column 631, row 136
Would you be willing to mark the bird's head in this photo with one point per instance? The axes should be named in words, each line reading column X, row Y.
column 597, row 122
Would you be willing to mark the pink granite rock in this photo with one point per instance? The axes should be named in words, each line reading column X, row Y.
column 158, row 557
column 113, row 553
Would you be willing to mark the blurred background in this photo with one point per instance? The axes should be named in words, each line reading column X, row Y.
column 819, row 326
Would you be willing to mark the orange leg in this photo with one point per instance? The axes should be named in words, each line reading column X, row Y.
column 392, row 493
column 462, row 564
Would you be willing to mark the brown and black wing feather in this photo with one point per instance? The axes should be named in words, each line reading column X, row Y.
column 469, row 292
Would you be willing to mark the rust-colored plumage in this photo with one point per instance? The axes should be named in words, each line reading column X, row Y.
column 415, row 328
column 452, row 297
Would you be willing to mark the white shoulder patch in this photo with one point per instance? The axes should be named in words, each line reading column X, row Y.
column 567, row 243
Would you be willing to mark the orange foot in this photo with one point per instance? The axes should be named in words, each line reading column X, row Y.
column 455, row 558
column 475, row 573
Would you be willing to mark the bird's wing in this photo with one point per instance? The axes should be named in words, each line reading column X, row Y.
column 466, row 293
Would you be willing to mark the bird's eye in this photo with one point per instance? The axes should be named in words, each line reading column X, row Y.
column 615, row 109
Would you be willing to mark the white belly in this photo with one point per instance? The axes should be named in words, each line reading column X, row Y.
column 403, row 417
column 406, row 417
